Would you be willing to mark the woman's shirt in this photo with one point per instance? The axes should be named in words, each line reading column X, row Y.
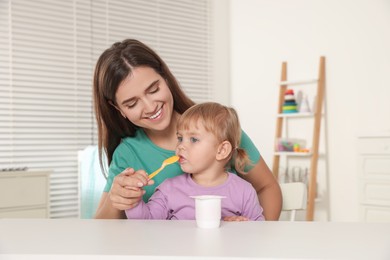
column 140, row 153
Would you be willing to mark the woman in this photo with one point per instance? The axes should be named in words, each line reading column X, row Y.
column 137, row 104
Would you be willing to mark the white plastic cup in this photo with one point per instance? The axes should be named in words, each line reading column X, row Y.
column 208, row 211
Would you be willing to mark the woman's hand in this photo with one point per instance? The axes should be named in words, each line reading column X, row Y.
column 126, row 191
column 235, row 218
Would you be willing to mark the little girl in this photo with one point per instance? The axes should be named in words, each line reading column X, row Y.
column 208, row 137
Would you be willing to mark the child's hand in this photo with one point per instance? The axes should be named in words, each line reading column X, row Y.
column 235, row 218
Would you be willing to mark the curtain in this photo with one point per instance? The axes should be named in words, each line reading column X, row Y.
column 48, row 49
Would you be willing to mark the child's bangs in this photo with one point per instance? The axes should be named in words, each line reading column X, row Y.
column 194, row 118
column 188, row 121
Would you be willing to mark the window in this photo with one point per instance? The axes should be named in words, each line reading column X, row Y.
column 48, row 49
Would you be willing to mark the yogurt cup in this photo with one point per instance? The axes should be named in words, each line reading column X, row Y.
column 208, row 210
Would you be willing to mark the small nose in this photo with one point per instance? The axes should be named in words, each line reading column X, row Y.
column 180, row 146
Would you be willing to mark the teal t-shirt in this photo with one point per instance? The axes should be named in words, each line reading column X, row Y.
column 140, row 153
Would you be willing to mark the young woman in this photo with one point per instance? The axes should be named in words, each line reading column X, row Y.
column 208, row 136
column 137, row 104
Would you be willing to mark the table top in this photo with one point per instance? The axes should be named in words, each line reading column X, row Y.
column 155, row 239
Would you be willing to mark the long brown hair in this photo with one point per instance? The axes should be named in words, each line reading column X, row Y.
column 223, row 123
column 112, row 67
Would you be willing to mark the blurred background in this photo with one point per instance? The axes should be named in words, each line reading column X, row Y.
column 226, row 51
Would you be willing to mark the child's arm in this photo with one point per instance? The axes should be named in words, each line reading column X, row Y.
column 140, row 211
column 251, row 208
column 246, row 203
column 156, row 208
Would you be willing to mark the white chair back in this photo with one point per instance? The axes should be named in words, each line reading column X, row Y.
column 294, row 197
column 91, row 180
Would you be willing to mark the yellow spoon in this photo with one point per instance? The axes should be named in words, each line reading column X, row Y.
column 166, row 162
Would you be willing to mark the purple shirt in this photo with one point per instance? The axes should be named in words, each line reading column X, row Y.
column 172, row 200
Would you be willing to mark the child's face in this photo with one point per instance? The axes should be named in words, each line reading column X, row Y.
column 145, row 99
column 196, row 148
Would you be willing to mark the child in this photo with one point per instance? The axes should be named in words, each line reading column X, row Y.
column 208, row 137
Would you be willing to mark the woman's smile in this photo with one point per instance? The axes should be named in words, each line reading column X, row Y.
column 157, row 115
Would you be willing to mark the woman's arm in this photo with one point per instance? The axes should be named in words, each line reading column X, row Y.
column 267, row 188
column 105, row 209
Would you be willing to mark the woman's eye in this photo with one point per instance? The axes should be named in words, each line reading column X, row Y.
column 194, row 140
column 180, row 139
column 154, row 89
column 131, row 104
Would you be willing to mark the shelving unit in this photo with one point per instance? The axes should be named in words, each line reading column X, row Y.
column 374, row 177
column 316, row 115
column 24, row 194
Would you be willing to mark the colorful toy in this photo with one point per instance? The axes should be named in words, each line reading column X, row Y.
column 291, row 145
column 289, row 105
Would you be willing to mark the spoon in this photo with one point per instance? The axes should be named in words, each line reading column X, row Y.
column 166, row 162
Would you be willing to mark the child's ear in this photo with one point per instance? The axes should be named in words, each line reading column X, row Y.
column 117, row 108
column 224, row 150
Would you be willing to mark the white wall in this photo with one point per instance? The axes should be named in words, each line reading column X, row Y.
column 355, row 38
column 221, row 49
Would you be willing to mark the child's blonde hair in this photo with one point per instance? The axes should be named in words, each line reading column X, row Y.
column 223, row 123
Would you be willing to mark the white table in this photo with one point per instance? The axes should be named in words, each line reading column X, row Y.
column 139, row 239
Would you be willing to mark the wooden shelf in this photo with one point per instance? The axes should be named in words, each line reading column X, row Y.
column 293, row 154
column 298, row 114
column 299, row 82
column 282, row 117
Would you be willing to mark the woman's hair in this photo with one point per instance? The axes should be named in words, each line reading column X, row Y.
column 112, row 67
column 223, row 123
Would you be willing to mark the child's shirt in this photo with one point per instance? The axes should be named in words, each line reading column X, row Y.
column 172, row 200
column 139, row 152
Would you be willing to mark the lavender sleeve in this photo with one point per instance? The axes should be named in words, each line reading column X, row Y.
column 156, row 208
column 243, row 199
column 252, row 208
